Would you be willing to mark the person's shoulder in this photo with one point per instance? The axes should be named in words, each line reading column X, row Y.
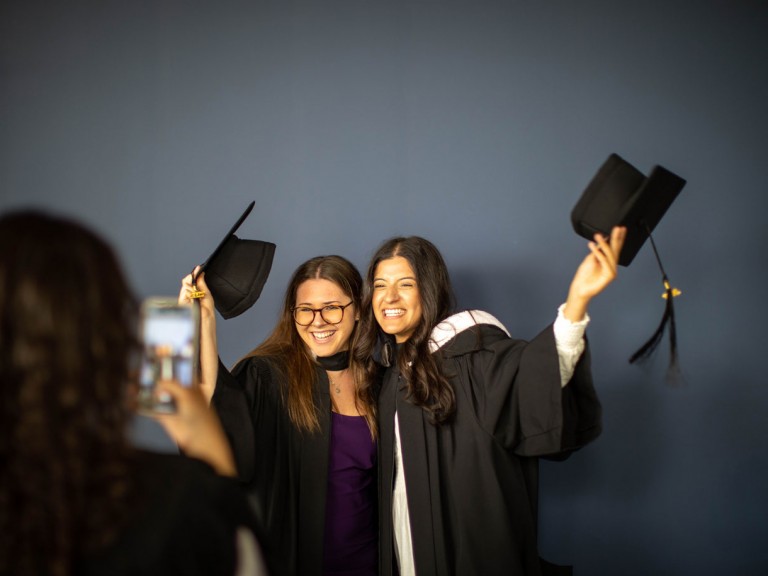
column 191, row 481
column 467, row 332
column 174, row 469
column 185, row 520
column 259, row 367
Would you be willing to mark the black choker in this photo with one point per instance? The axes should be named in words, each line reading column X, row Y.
column 336, row 362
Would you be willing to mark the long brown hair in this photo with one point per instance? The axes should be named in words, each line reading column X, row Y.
column 428, row 387
column 67, row 331
column 286, row 348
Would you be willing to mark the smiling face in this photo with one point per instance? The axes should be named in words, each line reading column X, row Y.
column 322, row 338
column 396, row 298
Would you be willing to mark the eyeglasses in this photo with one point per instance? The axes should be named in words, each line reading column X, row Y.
column 333, row 314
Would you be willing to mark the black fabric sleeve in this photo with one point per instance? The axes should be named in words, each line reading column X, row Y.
column 233, row 400
column 582, row 411
column 517, row 396
column 573, row 413
column 184, row 521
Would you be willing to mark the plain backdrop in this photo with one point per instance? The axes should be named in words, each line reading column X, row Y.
column 477, row 125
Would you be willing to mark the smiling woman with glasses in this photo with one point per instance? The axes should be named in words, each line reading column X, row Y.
column 302, row 425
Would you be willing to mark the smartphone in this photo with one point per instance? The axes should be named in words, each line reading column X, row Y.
column 170, row 340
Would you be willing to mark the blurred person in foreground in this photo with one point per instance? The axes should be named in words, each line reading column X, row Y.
column 75, row 496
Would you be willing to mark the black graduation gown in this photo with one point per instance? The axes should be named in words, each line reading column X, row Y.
column 471, row 485
column 285, row 471
column 184, row 520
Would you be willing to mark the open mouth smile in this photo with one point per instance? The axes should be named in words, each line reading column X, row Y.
column 323, row 336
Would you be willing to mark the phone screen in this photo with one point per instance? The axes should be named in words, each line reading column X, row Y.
column 169, row 338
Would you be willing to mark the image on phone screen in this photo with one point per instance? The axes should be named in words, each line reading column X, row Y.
column 168, row 333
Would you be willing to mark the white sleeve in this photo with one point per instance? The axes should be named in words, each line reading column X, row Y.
column 569, row 340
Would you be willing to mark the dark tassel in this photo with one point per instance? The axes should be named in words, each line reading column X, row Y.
column 674, row 376
column 647, row 349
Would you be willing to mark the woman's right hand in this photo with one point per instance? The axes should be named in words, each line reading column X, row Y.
column 209, row 353
column 196, row 428
column 596, row 271
column 207, row 308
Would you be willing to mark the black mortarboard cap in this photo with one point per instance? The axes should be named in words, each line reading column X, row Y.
column 236, row 271
column 620, row 195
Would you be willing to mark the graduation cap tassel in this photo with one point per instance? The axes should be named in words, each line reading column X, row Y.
column 647, row 349
column 195, row 296
column 673, row 372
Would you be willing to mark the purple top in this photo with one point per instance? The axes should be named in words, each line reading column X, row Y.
column 351, row 523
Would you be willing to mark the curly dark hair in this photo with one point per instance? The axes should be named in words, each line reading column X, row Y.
column 428, row 387
column 67, row 338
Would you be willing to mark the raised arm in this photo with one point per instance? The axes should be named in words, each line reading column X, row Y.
column 595, row 272
column 209, row 352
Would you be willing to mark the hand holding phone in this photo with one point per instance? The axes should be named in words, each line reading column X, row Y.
column 169, row 334
column 196, row 428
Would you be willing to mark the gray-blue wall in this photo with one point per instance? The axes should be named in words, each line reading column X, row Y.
column 475, row 124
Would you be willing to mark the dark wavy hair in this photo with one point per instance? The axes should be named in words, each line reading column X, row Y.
column 294, row 359
column 67, row 333
column 428, row 387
